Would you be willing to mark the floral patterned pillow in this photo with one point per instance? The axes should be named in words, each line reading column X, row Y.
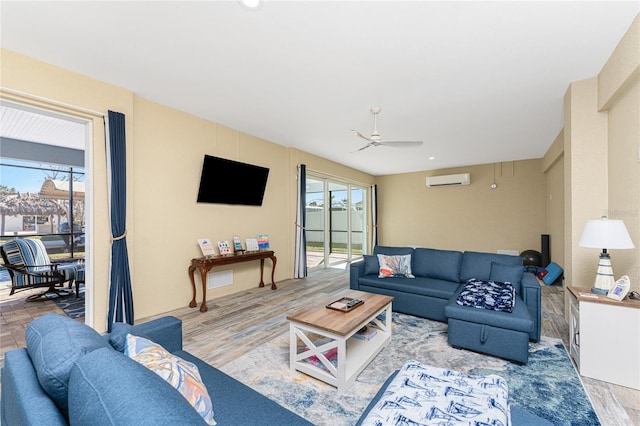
column 394, row 266
column 182, row 375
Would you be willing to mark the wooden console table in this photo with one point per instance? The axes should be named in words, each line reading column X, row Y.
column 206, row 263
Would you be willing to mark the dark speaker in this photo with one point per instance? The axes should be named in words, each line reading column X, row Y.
column 546, row 250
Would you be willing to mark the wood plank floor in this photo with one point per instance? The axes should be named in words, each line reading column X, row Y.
column 243, row 321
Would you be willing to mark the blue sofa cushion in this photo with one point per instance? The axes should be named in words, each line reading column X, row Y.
column 182, row 375
column 507, row 274
column 431, row 287
column 114, row 390
column 392, row 251
column 165, row 331
column 238, row 404
column 371, row 265
column 478, row 265
column 440, row 264
column 54, row 343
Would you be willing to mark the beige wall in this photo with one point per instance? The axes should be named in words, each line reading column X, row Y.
column 600, row 158
column 168, row 154
column 23, row 74
column 585, row 177
column 473, row 217
column 165, row 149
column 553, row 168
column 619, row 94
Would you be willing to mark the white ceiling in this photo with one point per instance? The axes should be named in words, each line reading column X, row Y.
column 479, row 82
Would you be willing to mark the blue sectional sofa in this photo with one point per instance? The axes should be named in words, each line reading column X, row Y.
column 70, row 374
column 439, row 277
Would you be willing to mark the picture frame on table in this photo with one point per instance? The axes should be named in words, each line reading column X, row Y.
column 206, row 247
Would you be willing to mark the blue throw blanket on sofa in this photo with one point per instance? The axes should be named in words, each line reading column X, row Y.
column 494, row 295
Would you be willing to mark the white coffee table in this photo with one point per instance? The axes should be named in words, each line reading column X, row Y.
column 353, row 355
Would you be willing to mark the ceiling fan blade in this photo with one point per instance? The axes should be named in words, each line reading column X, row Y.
column 364, row 147
column 401, row 144
column 357, row 133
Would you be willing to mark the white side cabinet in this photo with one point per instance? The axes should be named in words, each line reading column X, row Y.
column 604, row 337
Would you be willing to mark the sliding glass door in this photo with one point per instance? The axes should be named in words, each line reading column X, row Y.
column 335, row 222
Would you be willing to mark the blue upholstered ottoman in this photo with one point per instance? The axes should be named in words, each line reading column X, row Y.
column 502, row 334
column 465, row 399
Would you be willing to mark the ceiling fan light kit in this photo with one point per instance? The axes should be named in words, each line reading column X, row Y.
column 376, row 140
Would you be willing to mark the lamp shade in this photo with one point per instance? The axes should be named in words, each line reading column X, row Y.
column 605, row 234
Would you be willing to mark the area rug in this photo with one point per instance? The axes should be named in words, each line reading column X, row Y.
column 71, row 305
column 547, row 386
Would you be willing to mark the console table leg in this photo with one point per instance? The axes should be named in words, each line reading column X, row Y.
column 261, row 273
column 273, row 271
column 193, row 302
column 203, row 307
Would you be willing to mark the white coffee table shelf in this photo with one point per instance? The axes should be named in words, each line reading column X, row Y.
column 353, row 354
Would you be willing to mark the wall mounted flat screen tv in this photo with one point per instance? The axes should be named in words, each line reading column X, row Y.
column 225, row 181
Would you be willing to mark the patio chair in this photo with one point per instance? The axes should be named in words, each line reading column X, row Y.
column 29, row 266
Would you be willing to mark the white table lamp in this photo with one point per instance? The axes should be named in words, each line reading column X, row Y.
column 605, row 234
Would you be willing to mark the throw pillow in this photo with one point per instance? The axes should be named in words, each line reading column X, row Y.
column 371, row 265
column 118, row 335
column 183, row 375
column 507, row 274
column 394, row 266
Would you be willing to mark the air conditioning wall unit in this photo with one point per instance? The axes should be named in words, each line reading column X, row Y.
column 449, row 180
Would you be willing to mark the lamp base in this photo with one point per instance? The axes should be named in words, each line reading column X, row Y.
column 604, row 275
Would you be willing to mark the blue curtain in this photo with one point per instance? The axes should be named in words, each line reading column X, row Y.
column 120, row 295
column 374, row 214
column 300, row 260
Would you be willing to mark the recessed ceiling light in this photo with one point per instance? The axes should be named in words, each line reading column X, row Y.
column 432, row 158
column 252, row 4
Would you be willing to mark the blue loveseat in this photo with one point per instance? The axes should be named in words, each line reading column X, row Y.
column 439, row 277
column 70, row 374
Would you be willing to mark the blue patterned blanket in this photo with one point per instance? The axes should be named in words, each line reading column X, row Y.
column 494, row 295
column 426, row 395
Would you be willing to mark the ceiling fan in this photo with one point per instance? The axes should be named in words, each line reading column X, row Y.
column 376, row 140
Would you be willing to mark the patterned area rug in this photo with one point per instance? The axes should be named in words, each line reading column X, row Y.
column 547, row 386
column 71, row 305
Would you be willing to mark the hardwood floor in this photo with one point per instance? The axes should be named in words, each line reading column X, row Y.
column 240, row 322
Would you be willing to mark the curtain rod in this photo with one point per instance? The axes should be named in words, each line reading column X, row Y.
column 52, row 102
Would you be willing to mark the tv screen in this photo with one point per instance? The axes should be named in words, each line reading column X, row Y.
column 226, row 181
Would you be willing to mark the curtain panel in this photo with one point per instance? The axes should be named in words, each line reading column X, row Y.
column 300, row 261
column 374, row 214
column 120, row 294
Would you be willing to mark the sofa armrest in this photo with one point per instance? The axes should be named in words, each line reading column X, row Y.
column 165, row 331
column 24, row 402
column 532, row 297
column 356, row 270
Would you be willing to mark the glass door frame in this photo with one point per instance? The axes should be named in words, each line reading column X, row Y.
column 329, row 258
